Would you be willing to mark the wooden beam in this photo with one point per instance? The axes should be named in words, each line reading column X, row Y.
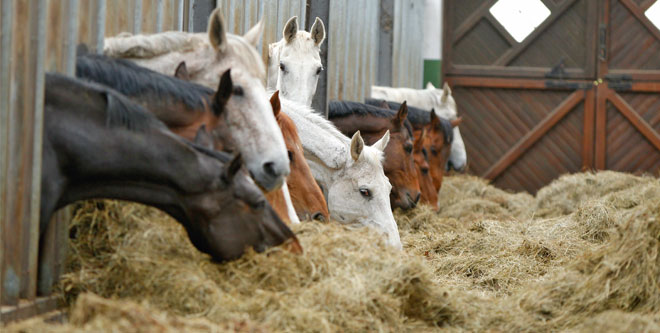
column 471, row 20
column 636, row 120
column 588, row 133
column 515, row 51
column 641, row 18
column 534, row 135
column 601, row 127
column 505, row 83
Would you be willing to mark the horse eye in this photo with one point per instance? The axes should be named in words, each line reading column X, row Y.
column 282, row 67
column 425, row 170
column 365, row 192
column 425, row 153
column 290, row 156
column 238, row 91
column 318, row 71
column 434, row 151
column 408, row 148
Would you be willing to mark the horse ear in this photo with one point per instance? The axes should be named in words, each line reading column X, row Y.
column 217, row 31
column 290, row 29
column 357, row 144
column 232, row 168
column 456, row 122
column 446, row 92
column 224, row 91
column 275, row 103
column 81, row 49
column 318, row 32
column 401, row 114
column 181, row 72
column 203, row 138
column 254, row 34
column 430, row 86
column 419, row 141
column 382, row 143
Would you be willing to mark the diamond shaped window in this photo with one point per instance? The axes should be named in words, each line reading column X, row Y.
column 520, row 18
column 653, row 14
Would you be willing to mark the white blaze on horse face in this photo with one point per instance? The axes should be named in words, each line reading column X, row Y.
column 294, row 63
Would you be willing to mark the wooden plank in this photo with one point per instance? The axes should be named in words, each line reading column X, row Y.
column 534, row 135
column 641, row 17
column 385, row 42
column 635, row 119
column 471, row 21
column 6, row 22
column 589, row 123
column 601, row 127
column 508, row 56
column 490, row 70
column 513, row 83
column 26, row 309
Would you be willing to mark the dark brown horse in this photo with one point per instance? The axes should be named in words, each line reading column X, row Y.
column 438, row 137
column 373, row 122
column 306, row 195
column 98, row 144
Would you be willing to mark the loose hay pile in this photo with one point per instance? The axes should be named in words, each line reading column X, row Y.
column 583, row 255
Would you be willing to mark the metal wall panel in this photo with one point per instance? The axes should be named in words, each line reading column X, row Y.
column 241, row 15
column 352, row 48
column 408, row 41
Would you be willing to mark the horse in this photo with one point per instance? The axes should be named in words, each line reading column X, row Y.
column 372, row 122
column 420, row 155
column 349, row 173
column 207, row 57
column 97, row 144
column 183, row 106
column 306, row 196
column 439, row 136
column 439, row 100
column 294, row 62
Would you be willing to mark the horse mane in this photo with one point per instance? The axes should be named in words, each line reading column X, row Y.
column 419, row 116
column 122, row 112
column 341, row 109
column 133, row 80
column 149, row 46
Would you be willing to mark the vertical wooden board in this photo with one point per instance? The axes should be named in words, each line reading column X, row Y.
column 85, row 29
column 56, row 27
column 137, row 17
column 6, row 17
column 169, row 17
column 149, row 16
column 120, row 16
column 271, row 29
column 335, row 47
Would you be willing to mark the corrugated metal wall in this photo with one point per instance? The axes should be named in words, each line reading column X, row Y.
column 241, row 15
column 39, row 36
column 408, row 42
column 352, row 49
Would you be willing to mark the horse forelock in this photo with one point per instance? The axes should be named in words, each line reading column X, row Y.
column 302, row 44
column 240, row 52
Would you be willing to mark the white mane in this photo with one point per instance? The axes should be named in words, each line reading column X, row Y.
column 126, row 45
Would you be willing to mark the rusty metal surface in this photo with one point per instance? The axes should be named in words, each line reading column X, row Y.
column 408, row 40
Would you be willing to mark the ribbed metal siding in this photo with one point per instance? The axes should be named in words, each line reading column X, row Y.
column 408, row 41
column 352, row 48
column 241, row 15
column 39, row 36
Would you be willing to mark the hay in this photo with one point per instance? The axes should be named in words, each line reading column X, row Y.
column 584, row 255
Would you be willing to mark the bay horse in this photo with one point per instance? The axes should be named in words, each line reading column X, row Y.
column 208, row 56
column 420, row 155
column 439, row 100
column 294, row 62
column 349, row 172
column 438, row 139
column 373, row 122
column 97, row 144
column 306, row 196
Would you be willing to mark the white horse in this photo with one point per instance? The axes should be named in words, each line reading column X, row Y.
column 349, row 173
column 207, row 56
column 439, row 100
column 294, row 63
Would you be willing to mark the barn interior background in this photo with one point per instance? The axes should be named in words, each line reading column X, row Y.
column 580, row 91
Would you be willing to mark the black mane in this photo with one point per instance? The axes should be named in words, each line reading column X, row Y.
column 119, row 111
column 133, row 80
column 341, row 109
column 418, row 116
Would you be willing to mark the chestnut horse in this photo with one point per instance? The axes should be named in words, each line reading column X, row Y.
column 372, row 122
column 306, row 196
column 438, row 139
column 98, row 144
column 429, row 193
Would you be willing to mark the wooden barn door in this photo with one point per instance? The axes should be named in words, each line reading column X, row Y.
column 542, row 107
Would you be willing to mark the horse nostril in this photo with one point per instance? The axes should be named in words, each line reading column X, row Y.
column 318, row 216
column 413, row 203
column 269, row 168
column 419, row 196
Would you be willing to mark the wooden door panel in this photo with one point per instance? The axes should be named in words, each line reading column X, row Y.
column 627, row 149
column 634, row 40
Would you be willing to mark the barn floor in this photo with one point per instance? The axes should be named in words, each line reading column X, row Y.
column 583, row 255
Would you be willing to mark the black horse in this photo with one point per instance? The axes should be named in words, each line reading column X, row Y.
column 98, row 144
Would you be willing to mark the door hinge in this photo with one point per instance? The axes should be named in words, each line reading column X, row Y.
column 619, row 82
